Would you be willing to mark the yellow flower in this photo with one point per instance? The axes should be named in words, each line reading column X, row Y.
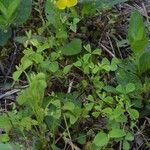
column 62, row 4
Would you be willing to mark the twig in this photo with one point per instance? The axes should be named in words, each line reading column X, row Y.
column 110, row 42
column 10, row 93
column 141, row 10
column 107, row 50
column 145, row 12
column 120, row 145
column 116, row 41
column 74, row 147
column 70, row 87
column 148, row 120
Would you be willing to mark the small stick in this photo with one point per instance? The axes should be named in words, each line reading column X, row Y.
column 74, row 147
column 145, row 12
column 107, row 50
column 70, row 87
column 110, row 42
column 9, row 93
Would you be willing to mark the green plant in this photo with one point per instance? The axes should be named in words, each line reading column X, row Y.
column 90, row 7
column 75, row 95
column 134, row 69
column 12, row 13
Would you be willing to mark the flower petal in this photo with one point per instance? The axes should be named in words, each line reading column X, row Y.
column 71, row 3
column 61, row 4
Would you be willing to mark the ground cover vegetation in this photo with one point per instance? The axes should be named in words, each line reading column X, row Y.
column 74, row 75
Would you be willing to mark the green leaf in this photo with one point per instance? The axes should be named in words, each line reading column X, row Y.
column 53, row 146
column 6, row 147
column 4, row 36
column 129, row 136
column 5, row 123
column 90, row 6
column 107, row 111
column 134, row 114
column 137, row 34
column 53, row 16
column 55, row 111
column 72, row 48
column 15, row 12
column 3, row 9
column 130, row 87
column 34, row 94
column 17, row 74
column 117, row 133
column 3, row 23
column 82, row 139
column 110, row 89
column 96, row 114
column 69, row 106
column 67, row 69
column 126, row 145
column 89, row 106
column 127, row 73
column 12, row 8
column 25, row 63
column 51, row 12
column 101, row 139
column 105, row 64
column 27, row 123
column 6, row 3
column 4, row 138
column 88, row 48
column 61, row 34
column 144, row 62
column 73, row 25
column 54, row 66
column 23, row 12
column 86, row 58
column 97, row 52
column 73, row 118
column 121, row 89
column 36, row 57
column 108, row 100
column 90, row 98
column 77, row 63
column 114, row 64
column 118, row 112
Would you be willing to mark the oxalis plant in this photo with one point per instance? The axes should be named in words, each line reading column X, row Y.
column 43, row 118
